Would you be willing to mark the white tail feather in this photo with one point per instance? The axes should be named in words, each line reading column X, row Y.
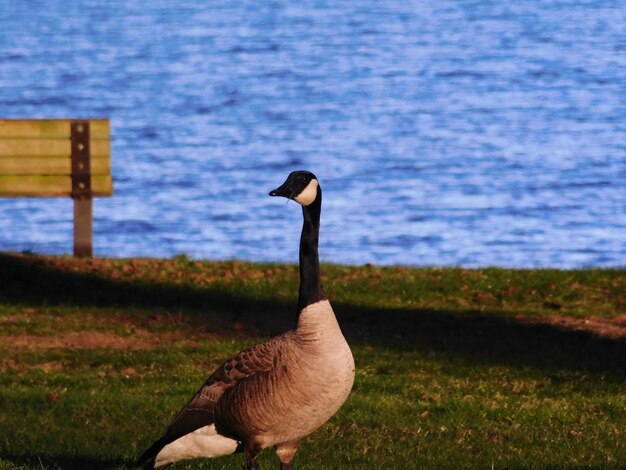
column 203, row 442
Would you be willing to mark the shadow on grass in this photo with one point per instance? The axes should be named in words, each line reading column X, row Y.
column 69, row 462
column 488, row 338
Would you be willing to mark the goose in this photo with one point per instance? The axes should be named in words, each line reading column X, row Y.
column 279, row 391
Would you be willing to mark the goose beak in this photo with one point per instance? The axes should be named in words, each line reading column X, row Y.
column 284, row 190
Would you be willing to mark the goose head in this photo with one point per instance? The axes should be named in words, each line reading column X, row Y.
column 301, row 186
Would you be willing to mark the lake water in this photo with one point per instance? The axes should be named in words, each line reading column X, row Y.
column 468, row 133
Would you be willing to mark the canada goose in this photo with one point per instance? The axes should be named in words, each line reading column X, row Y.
column 279, row 391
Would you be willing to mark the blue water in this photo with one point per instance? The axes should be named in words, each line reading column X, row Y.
column 453, row 132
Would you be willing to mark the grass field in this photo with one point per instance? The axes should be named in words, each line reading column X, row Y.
column 456, row 368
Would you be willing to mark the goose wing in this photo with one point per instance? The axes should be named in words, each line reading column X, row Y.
column 200, row 410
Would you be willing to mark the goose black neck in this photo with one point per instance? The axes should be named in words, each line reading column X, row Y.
column 310, row 286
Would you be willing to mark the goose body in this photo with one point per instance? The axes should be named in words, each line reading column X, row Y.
column 276, row 392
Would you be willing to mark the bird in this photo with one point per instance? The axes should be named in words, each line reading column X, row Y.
column 279, row 391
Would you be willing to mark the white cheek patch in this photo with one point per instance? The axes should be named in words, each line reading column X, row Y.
column 308, row 195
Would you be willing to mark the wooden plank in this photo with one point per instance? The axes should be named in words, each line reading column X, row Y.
column 49, row 147
column 83, row 228
column 35, row 148
column 49, row 165
column 50, row 186
column 50, row 128
column 99, row 129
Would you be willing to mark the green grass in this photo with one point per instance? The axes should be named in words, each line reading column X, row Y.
column 97, row 355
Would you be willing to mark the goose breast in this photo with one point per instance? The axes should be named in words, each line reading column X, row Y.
column 312, row 376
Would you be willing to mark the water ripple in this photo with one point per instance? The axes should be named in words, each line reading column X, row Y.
column 445, row 133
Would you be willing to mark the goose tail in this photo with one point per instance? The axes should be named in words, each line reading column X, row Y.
column 148, row 457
